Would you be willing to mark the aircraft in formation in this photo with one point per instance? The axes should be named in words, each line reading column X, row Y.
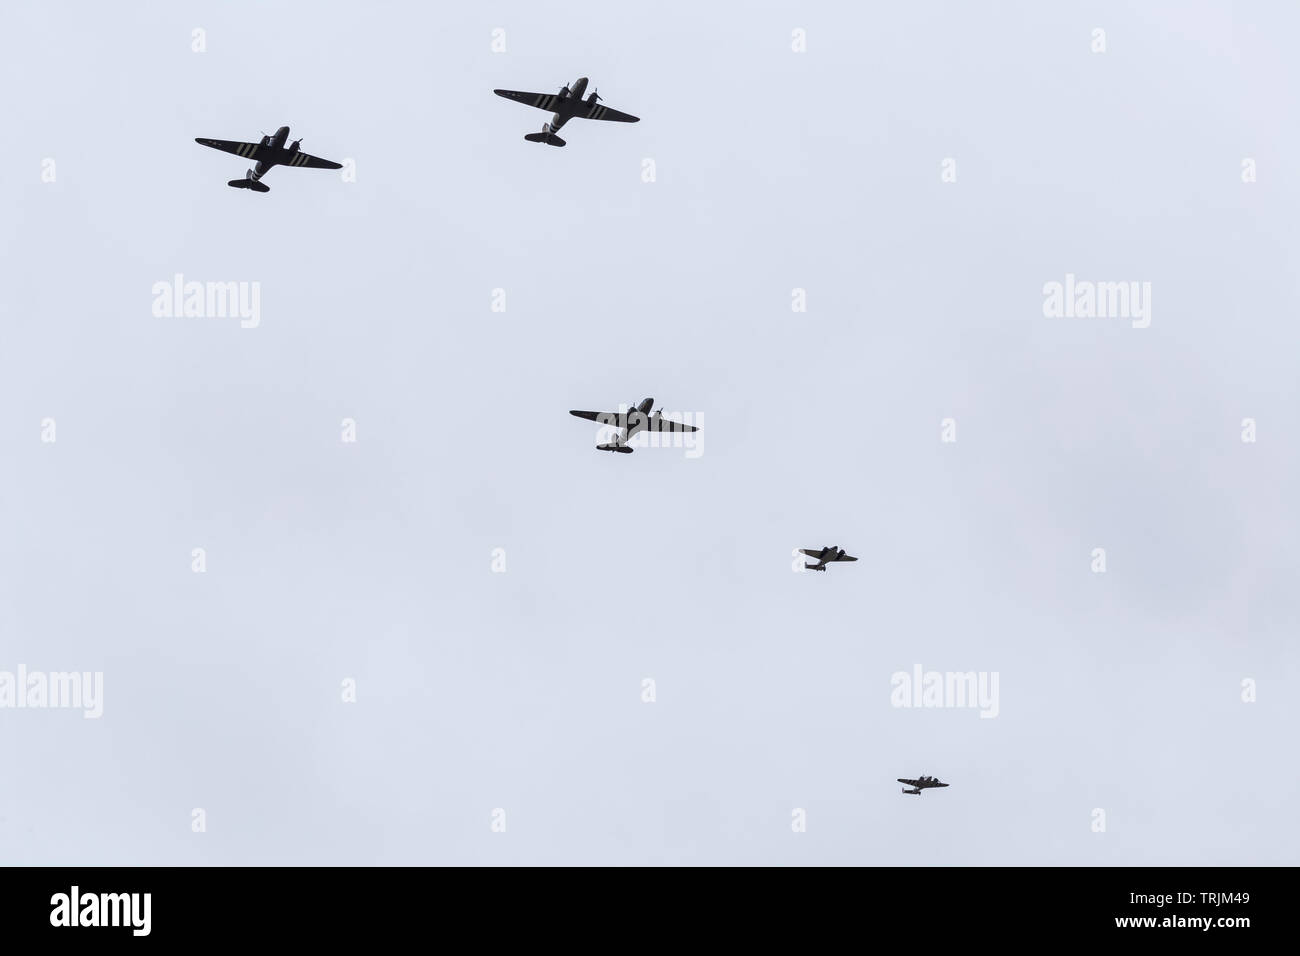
column 825, row 556
column 268, row 152
column 565, row 105
column 636, row 419
column 921, row 783
column 568, row 104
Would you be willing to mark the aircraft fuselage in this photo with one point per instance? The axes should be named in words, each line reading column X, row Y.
column 276, row 142
column 569, row 104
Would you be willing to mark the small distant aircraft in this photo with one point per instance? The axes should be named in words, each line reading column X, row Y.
column 825, row 556
column 636, row 419
column 268, row 152
column 566, row 105
column 921, row 783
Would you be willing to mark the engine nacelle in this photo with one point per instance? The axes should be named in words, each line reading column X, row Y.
column 293, row 147
column 266, row 141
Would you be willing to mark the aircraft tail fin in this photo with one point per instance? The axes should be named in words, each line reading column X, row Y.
column 544, row 137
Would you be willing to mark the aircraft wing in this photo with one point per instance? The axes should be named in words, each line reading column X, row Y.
column 638, row 421
column 543, row 101
column 667, row 425
column 247, row 150
column 811, row 554
column 287, row 158
column 634, row 421
column 845, row 557
column 604, row 418
column 597, row 112
column 914, row 784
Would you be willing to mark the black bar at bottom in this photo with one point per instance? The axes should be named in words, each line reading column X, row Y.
column 883, row 906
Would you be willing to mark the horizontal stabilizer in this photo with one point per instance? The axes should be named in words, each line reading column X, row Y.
column 621, row 449
column 252, row 184
column 549, row 138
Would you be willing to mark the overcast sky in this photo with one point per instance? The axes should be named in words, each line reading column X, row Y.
column 773, row 170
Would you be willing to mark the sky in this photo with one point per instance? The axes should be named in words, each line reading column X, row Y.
column 467, row 637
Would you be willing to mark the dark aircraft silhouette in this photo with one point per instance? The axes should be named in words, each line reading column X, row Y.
column 921, row 783
column 270, row 151
column 825, row 556
column 636, row 419
column 566, row 105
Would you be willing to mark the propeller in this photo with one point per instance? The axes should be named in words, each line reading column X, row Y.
column 595, row 95
column 298, row 141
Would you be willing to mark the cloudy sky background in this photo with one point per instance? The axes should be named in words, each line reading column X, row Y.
column 774, row 171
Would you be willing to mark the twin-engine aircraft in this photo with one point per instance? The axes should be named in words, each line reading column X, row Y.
column 921, row 783
column 636, row 419
column 825, row 556
column 268, row 152
column 566, row 105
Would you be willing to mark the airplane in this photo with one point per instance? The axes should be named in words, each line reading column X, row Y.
column 825, row 556
column 565, row 105
column 270, row 151
column 922, row 783
column 637, row 419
